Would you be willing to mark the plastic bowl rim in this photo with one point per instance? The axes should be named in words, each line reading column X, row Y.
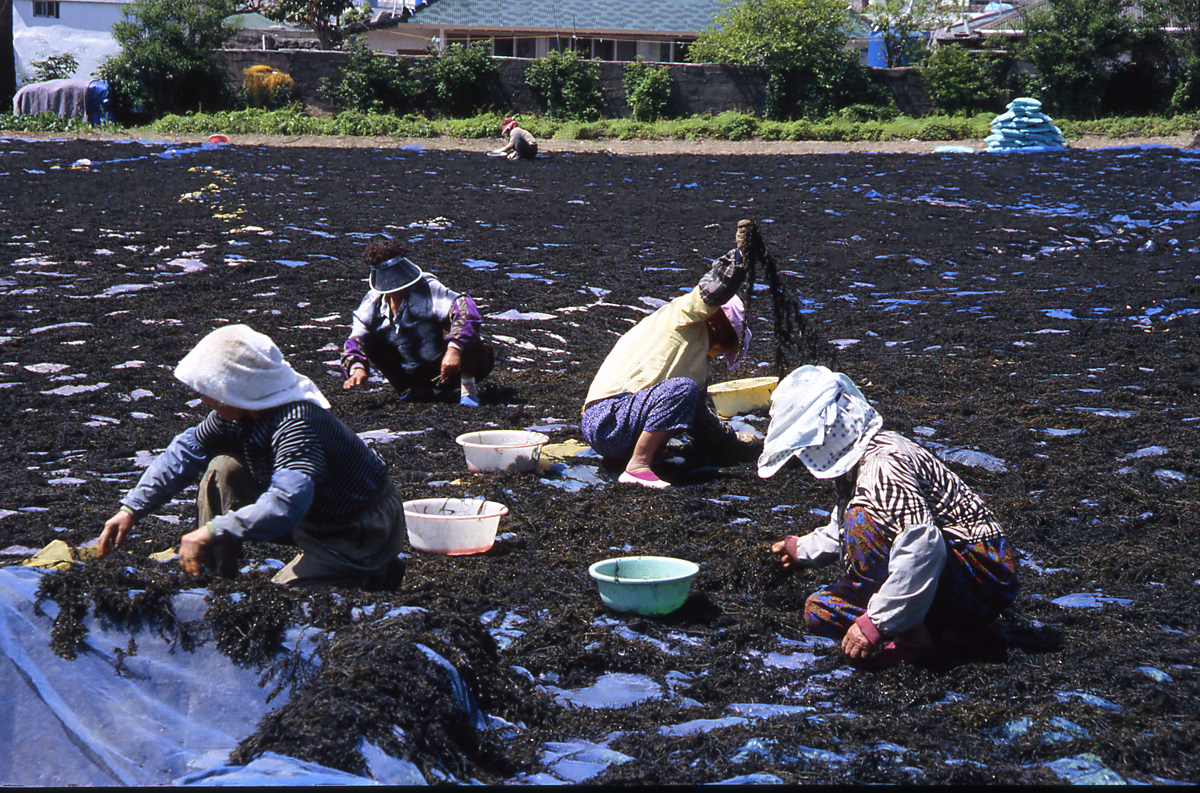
column 483, row 516
column 534, row 441
column 746, row 383
column 608, row 579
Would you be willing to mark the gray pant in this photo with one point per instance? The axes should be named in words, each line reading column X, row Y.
column 352, row 552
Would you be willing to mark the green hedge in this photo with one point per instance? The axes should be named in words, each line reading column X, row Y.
column 732, row 126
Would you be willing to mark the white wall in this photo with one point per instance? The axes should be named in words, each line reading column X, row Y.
column 83, row 29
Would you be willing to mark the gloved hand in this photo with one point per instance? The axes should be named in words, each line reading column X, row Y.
column 749, row 241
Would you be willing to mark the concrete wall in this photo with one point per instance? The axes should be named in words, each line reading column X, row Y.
column 698, row 88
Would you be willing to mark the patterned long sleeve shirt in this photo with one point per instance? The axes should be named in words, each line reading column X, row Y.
column 913, row 499
column 431, row 317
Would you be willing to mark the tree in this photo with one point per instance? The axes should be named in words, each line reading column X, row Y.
column 322, row 17
column 1075, row 44
column 373, row 82
column 567, row 84
column 902, row 23
column 164, row 64
column 801, row 42
column 963, row 82
column 54, row 67
column 1184, row 15
column 648, row 90
column 460, row 76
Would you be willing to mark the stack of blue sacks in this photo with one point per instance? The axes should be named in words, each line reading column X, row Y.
column 1024, row 127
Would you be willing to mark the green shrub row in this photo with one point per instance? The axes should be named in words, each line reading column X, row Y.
column 732, row 126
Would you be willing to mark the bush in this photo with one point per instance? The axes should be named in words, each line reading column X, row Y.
column 486, row 125
column 1187, row 91
column 372, row 81
column 164, row 65
column 648, row 90
column 963, row 83
column 266, row 87
column 566, row 84
column 863, row 113
column 56, row 67
column 460, row 77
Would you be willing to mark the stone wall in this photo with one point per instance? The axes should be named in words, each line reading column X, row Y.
column 698, row 87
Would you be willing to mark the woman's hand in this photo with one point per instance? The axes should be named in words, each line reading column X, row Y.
column 855, row 645
column 357, row 377
column 785, row 558
column 115, row 529
column 194, row 550
column 451, row 363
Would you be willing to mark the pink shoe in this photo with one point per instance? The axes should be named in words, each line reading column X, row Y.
column 645, row 478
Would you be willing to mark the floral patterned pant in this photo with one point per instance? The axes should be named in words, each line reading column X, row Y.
column 978, row 582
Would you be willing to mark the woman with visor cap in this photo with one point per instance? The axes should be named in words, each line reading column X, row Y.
column 420, row 335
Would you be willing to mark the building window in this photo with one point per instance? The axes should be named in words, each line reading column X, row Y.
column 502, row 48
column 41, row 8
column 626, row 50
column 527, row 48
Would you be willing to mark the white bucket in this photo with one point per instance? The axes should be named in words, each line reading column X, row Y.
column 453, row 526
column 502, row 450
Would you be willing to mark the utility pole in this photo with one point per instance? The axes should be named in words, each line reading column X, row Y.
column 8, row 65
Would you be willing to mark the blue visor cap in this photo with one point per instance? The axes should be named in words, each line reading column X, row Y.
column 394, row 275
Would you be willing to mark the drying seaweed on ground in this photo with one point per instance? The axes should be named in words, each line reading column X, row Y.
column 988, row 306
column 376, row 682
column 126, row 591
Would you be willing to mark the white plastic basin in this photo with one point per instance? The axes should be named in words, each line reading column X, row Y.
column 502, row 450
column 453, row 526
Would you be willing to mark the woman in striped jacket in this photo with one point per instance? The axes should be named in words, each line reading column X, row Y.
column 277, row 466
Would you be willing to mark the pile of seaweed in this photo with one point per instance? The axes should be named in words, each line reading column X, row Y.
column 374, row 675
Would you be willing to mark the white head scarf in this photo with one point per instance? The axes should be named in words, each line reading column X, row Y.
column 821, row 417
column 244, row 369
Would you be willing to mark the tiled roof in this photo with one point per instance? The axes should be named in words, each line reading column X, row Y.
column 657, row 15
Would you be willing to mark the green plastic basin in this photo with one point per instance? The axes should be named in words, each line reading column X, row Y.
column 644, row 584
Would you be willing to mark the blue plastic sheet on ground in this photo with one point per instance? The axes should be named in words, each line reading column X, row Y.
column 161, row 716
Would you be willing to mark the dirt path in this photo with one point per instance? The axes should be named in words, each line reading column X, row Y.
column 624, row 147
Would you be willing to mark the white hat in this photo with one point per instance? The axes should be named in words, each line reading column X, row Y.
column 821, row 417
column 242, row 368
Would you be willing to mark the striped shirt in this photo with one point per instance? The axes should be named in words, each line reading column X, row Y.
column 901, row 484
column 314, row 465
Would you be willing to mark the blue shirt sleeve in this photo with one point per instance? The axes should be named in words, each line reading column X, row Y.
column 173, row 470
column 275, row 514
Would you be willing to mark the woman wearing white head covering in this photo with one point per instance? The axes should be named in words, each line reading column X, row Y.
column 276, row 465
column 927, row 565
column 652, row 384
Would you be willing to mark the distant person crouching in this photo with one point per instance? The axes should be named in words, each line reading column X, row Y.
column 521, row 145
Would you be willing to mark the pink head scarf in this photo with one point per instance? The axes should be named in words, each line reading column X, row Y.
column 735, row 312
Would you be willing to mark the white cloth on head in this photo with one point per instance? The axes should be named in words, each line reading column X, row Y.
column 821, row 417
column 242, row 368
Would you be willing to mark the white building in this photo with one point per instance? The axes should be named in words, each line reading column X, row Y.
column 83, row 28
